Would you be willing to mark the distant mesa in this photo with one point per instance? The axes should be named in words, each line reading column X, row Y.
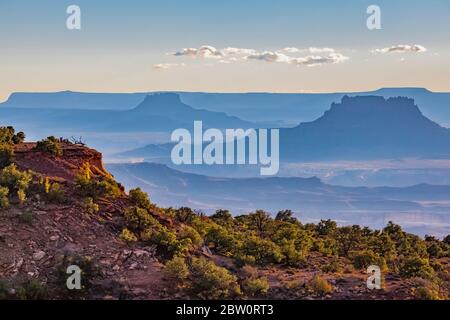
column 357, row 128
column 366, row 127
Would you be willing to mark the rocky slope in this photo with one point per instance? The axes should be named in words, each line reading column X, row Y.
column 40, row 238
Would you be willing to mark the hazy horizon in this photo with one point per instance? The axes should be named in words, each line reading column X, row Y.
column 192, row 46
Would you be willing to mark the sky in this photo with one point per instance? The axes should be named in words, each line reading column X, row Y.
column 223, row 46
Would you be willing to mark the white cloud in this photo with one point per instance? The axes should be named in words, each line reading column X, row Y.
column 269, row 56
column 402, row 48
column 312, row 50
column 321, row 50
column 165, row 66
column 312, row 61
column 288, row 55
column 291, row 50
column 238, row 51
column 202, row 52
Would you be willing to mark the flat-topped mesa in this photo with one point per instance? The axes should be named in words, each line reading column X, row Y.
column 162, row 98
column 366, row 127
column 157, row 102
column 375, row 106
column 64, row 167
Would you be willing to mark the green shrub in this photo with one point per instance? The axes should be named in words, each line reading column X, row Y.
column 447, row 239
column 32, row 290
column 166, row 240
column 326, row 227
column 4, row 290
column 221, row 240
column 256, row 286
column 4, row 201
column 185, row 215
column 292, row 257
column 21, row 196
column 364, row 259
column 91, row 187
column 18, row 138
column 177, row 268
column 14, row 179
column 140, row 198
column 8, row 136
column 223, row 218
column 50, row 145
column 326, row 246
column 241, row 259
column 56, row 194
column 286, row 216
column 264, row 251
column 139, row 219
column 435, row 250
column 417, row 267
column 424, row 293
column 319, row 286
column 6, row 155
column 210, row 281
column 90, row 206
column 128, row 236
column 187, row 232
column 332, row 267
column 258, row 221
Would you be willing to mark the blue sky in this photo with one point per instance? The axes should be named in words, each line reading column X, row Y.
column 121, row 41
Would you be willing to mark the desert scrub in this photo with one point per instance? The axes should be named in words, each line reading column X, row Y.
column 6, row 155
column 263, row 251
column 139, row 219
column 55, row 194
column 89, row 206
column 31, row 290
column 319, row 286
column 8, row 138
column 50, row 145
column 292, row 257
column 333, row 267
column 4, row 290
column 177, row 269
column 187, row 232
column 221, row 240
column 364, row 259
column 166, row 240
column 210, row 281
column 97, row 188
column 256, row 286
column 128, row 236
column 14, row 179
column 424, row 293
column 417, row 267
column 4, row 201
column 140, row 198
column 89, row 186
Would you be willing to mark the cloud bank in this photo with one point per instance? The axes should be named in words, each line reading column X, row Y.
column 310, row 57
column 402, row 48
